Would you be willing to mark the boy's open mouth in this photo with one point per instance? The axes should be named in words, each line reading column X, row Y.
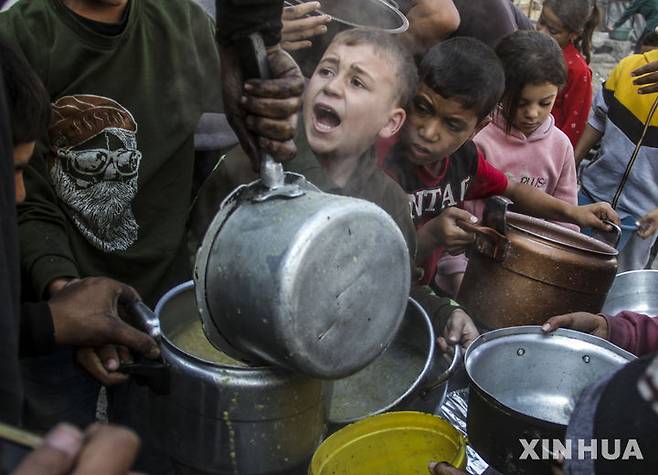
column 326, row 118
column 420, row 151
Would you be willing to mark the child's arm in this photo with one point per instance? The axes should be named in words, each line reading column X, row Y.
column 451, row 322
column 530, row 200
column 587, row 140
column 595, row 127
column 566, row 186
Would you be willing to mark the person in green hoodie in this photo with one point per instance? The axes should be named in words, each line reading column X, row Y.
column 109, row 186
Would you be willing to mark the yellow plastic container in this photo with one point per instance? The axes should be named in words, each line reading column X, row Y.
column 395, row 443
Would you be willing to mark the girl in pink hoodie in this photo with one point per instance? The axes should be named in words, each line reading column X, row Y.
column 522, row 140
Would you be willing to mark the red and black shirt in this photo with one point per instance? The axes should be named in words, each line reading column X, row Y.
column 465, row 175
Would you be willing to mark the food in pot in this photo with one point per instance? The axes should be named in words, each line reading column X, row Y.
column 378, row 385
column 191, row 339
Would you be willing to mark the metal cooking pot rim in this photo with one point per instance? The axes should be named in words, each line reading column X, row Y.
column 529, row 330
column 633, row 290
column 401, row 29
column 421, row 377
column 637, row 271
column 164, row 300
column 536, row 330
column 603, row 248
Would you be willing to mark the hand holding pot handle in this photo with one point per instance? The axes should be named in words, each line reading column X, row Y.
column 457, row 358
column 488, row 241
column 154, row 374
column 144, row 318
column 610, row 237
column 255, row 65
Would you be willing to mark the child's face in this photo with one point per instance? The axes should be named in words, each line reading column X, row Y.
column 436, row 127
column 551, row 25
column 22, row 154
column 350, row 100
column 535, row 104
column 647, row 48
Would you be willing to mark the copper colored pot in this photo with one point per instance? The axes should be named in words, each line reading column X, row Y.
column 523, row 270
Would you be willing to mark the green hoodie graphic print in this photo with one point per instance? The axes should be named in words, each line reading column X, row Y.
column 108, row 191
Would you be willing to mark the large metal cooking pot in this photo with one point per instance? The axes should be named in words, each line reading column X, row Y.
column 305, row 280
column 635, row 290
column 410, row 375
column 370, row 14
column 215, row 414
column 524, row 384
column 523, row 270
column 315, row 283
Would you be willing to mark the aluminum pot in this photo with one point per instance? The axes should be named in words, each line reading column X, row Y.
column 411, row 375
column 217, row 415
column 635, row 290
column 524, row 384
column 523, row 270
column 314, row 283
column 380, row 15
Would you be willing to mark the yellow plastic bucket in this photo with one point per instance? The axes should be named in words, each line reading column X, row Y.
column 395, row 443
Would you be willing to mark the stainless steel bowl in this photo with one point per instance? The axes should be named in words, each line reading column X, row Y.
column 635, row 290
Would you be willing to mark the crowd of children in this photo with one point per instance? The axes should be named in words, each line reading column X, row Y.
column 110, row 185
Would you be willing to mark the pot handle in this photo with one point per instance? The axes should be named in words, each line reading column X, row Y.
column 488, row 241
column 457, row 358
column 151, row 373
column 144, row 319
column 154, row 374
column 609, row 237
column 253, row 58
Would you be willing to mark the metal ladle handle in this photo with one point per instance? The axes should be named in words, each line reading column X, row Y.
column 253, row 57
column 255, row 65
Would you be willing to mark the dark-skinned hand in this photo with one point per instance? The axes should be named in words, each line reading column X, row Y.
column 263, row 113
column 86, row 313
column 445, row 231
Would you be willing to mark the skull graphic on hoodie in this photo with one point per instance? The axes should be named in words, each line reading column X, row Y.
column 94, row 168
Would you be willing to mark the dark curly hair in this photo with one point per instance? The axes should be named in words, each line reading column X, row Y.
column 466, row 70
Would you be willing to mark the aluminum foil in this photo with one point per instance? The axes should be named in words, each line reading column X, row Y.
column 454, row 409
